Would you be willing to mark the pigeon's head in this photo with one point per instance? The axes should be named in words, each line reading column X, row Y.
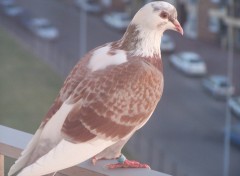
column 158, row 16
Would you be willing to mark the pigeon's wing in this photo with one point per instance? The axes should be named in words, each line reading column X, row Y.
column 111, row 103
column 75, row 77
column 106, row 106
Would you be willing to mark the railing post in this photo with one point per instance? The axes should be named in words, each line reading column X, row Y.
column 1, row 165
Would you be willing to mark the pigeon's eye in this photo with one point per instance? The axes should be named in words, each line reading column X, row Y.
column 164, row 15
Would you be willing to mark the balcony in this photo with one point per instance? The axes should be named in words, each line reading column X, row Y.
column 232, row 21
column 13, row 141
column 228, row 20
column 219, row 13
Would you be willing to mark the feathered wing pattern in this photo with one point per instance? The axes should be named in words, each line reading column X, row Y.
column 99, row 109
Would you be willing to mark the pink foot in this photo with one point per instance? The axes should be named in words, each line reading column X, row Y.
column 94, row 160
column 128, row 164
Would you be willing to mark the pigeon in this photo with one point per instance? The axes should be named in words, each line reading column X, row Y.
column 109, row 95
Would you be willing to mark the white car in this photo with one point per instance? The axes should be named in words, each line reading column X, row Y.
column 167, row 44
column 234, row 104
column 117, row 20
column 12, row 10
column 189, row 62
column 43, row 28
column 218, row 86
column 6, row 2
column 92, row 6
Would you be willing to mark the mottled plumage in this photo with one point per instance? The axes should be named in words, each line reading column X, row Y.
column 109, row 94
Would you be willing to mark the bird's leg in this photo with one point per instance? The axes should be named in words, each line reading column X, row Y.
column 95, row 159
column 125, row 163
column 114, row 152
column 106, row 154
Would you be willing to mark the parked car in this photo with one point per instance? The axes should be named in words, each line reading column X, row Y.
column 235, row 135
column 6, row 2
column 40, row 27
column 234, row 104
column 43, row 28
column 12, row 9
column 167, row 44
column 189, row 62
column 117, row 20
column 218, row 86
column 92, row 6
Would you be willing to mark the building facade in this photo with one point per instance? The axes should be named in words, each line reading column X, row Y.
column 209, row 20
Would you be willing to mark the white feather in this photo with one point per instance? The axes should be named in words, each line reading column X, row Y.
column 101, row 59
column 43, row 140
column 149, row 43
column 23, row 159
column 52, row 130
column 64, row 155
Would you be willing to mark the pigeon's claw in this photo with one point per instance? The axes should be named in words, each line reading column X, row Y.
column 94, row 160
column 128, row 164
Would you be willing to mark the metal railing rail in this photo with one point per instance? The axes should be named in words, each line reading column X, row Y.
column 13, row 141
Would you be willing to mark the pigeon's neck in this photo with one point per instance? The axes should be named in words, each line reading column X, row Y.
column 145, row 43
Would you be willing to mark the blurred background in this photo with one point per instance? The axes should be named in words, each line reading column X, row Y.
column 195, row 130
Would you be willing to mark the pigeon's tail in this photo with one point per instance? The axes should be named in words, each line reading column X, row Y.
column 43, row 141
column 23, row 160
column 64, row 155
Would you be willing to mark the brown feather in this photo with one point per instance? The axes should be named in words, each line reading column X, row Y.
column 112, row 102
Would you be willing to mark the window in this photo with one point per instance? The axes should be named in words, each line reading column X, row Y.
column 237, row 8
column 213, row 24
column 192, row 1
column 216, row 1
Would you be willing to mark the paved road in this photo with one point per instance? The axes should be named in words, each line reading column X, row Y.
column 67, row 18
column 187, row 124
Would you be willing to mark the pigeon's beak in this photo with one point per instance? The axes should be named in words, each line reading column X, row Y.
column 178, row 27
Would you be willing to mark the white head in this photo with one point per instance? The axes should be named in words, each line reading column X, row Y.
column 158, row 16
column 144, row 33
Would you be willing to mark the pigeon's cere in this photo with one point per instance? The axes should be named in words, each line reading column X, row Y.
column 109, row 94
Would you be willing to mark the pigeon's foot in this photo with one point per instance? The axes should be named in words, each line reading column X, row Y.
column 95, row 159
column 128, row 164
column 125, row 163
column 122, row 163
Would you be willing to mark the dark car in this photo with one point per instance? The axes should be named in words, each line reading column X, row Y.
column 234, row 104
column 235, row 135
